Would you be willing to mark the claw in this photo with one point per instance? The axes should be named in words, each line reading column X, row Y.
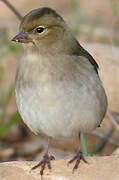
column 42, row 163
column 78, row 158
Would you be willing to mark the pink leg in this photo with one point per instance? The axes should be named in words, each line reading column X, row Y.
column 46, row 160
column 78, row 157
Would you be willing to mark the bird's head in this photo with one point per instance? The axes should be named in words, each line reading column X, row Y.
column 43, row 28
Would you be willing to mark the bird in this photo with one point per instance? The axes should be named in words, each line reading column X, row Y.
column 58, row 89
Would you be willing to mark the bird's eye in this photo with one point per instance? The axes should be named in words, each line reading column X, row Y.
column 40, row 29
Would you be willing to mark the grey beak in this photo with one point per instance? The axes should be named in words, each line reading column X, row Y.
column 22, row 37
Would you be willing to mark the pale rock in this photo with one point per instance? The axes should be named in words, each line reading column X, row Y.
column 98, row 168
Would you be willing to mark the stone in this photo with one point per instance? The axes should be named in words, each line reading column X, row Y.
column 98, row 168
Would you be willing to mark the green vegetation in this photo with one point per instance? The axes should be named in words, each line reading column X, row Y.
column 115, row 9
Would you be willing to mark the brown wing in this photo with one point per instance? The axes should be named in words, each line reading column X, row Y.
column 82, row 52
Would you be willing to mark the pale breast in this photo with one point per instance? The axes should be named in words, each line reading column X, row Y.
column 61, row 108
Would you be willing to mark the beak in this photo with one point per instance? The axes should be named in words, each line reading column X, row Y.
column 22, row 37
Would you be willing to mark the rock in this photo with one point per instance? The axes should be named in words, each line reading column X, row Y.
column 99, row 168
column 116, row 152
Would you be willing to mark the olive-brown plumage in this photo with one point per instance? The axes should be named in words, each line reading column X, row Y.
column 58, row 90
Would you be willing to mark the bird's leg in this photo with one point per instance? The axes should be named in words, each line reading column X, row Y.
column 78, row 157
column 46, row 160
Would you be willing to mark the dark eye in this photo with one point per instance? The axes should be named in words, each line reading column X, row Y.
column 40, row 29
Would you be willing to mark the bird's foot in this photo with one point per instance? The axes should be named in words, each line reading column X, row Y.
column 46, row 160
column 79, row 156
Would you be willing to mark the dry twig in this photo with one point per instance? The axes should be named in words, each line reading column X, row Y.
column 104, row 140
column 13, row 9
column 112, row 119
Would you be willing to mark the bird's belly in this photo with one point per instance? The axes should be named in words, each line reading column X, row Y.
column 61, row 112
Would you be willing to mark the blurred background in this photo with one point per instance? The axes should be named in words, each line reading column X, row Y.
column 96, row 25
